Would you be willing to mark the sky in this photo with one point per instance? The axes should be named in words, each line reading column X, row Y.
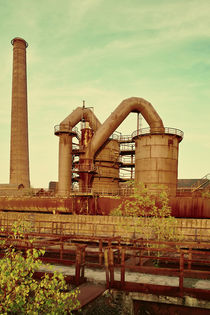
column 104, row 51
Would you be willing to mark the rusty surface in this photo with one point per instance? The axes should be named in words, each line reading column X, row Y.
column 182, row 207
column 193, row 233
column 179, row 272
column 184, row 259
column 86, row 135
column 88, row 292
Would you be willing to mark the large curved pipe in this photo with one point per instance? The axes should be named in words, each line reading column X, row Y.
column 65, row 145
column 133, row 104
column 78, row 115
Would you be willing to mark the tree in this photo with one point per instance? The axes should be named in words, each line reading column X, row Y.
column 20, row 293
column 153, row 219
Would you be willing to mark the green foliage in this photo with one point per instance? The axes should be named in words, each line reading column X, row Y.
column 206, row 194
column 152, row 214
column 20, row 228
column 144, row 203
column 20, row 293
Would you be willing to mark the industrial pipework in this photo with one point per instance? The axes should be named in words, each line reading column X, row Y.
column 133, row 104
column 19, row 152
column 66, row 132
column 156, row 162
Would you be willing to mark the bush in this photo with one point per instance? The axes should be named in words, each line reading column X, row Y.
column 20, row 293
column 153, row 219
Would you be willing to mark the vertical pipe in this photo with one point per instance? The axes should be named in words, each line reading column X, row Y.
column 122, row 280
column 19, row 153
column 137, row 123
column 181, row 272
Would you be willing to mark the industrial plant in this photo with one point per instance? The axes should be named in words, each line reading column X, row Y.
column 95, row 160
column 100, row 153
column 98, row 168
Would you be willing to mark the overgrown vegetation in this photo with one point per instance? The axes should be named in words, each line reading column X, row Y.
column 206, row 194
column 153, row 219
column 20, row 293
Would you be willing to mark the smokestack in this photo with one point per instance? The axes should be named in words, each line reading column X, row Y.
column 19, row 154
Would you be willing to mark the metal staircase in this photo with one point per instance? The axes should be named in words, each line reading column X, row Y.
column 201, row 183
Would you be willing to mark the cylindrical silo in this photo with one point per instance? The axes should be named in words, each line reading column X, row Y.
column 19, row 153
column 106, row 179
column 156, row 160
column 65, row 158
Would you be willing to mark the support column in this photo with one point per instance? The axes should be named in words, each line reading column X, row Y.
column 65, row 164
column 19, row 153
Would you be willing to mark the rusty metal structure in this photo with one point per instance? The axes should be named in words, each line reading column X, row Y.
column 19, row 153
column 96, row 161
column 91, row 165
column 153, row 151
column 185, row 259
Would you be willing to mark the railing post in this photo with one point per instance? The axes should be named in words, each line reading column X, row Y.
column 106, row 263
column 140, row 260
column 100, row 252
column 190, row 258
column 122, row 267
column 61, row 248
column 181, row 272
column 196, row 235
column 83, row 263
column 61, row 228
column 111, row 266
column 78, row 264
column 118, row 252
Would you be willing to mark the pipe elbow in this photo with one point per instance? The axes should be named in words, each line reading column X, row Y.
column 132, row 104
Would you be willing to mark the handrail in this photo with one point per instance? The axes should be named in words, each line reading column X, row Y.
column 114, row 136
column 84, row 168
column 127, row 159
column 180, row 256
column 63, row 228
column 125, row 138
column 200, row 182
column 65, row 128
column 127, row 147
column 168, row 130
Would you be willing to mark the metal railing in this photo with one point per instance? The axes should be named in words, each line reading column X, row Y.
column 192, row 236
column 117, row 255
column 104, row 191
column 185, row 262
column 125, row 138
column 127, row 159
column 84, row 168
column 127, row 147
column 168, row 130
column 66, row 128
column 115, row 136
column 201, row 182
